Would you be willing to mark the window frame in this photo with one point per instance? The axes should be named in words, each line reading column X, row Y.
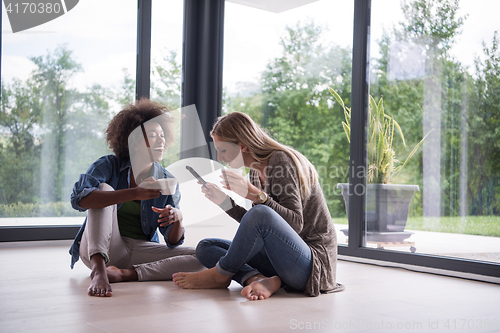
column 207, row 95
column 358, row 158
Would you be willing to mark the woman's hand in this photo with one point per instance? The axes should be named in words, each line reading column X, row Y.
column 239, row 184
column 168, row 215
column 141, row 193
column 147, row 189
column 213, row 193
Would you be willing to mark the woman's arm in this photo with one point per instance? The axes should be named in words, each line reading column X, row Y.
column 283, row 184
column 232, row 209
column 176, row 233
column 171, row 215
column 216, row 195
column 106, row 169
column 292, row 216
column 101, row 199
column 285, row 191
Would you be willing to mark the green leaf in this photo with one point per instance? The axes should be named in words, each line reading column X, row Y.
column 347, row 131
column 414, row 150
column 400, row 132
column 337, row 97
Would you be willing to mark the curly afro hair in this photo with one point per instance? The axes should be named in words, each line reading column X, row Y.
column 131, row 117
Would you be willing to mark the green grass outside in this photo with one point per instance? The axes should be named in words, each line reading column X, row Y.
column 468, row 225
column 51, row 209
column 339, row 220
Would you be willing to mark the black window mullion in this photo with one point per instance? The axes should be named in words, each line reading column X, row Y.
column 143, row 70
column 202, row 54
column 37, row 233
column 426, row 260
column 359, row 111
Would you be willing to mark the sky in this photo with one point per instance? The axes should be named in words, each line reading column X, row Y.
column 102, row 36
column 103, row 41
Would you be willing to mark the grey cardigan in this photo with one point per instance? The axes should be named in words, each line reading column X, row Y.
column 310, row 218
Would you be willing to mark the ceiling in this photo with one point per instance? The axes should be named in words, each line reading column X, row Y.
column 275, row 6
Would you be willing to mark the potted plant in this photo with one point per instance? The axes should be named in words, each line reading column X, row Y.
column 387, row 203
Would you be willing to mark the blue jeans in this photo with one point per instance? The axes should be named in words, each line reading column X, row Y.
column 264, row 243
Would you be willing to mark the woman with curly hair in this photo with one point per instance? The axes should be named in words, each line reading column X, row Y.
column 286, row 239
column 118, row 240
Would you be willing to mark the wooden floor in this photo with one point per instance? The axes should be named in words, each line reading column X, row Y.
column 40, row 293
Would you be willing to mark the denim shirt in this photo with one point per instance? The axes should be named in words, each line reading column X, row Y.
column 116, row 173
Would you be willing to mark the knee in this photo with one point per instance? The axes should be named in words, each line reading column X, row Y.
column 105, row 187
column 257, row 214
column 202, row 249
column 205, row 251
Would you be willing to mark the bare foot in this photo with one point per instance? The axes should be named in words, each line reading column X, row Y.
column 261, row 288
column 207, row 279
column 99, row 286
column 116, row 274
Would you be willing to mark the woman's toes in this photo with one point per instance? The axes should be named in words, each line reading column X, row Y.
column 246, row 291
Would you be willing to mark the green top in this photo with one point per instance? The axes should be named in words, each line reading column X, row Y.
column 129, row 220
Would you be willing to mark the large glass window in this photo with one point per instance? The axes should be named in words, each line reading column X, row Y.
column 433, row 139
column 278, row 68
column 166, row 58
column 61, row 83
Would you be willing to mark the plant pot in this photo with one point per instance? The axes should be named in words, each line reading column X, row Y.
column 387, row 205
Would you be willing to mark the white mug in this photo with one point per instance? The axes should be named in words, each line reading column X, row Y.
column 237, row 171
column 167, row 185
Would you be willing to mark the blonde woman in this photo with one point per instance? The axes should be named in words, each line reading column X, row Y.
column 286, row 239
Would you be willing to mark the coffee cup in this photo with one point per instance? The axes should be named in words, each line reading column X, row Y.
column 236, row 171
column 167, row 185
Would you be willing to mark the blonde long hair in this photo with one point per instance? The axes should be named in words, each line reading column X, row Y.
column 237, row 127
